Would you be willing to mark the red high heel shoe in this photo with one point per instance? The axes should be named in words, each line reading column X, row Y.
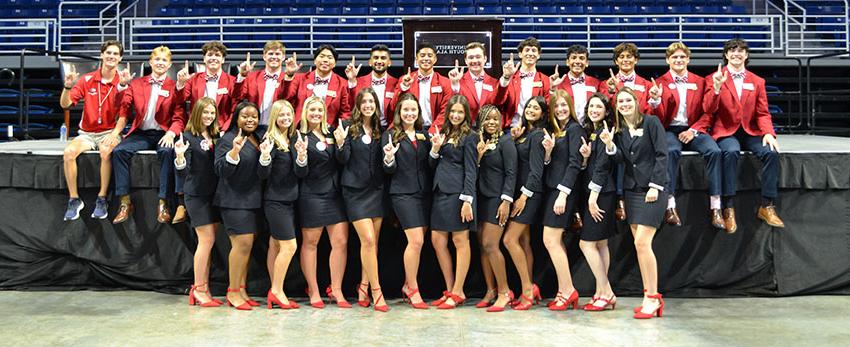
column 493, row 308
column 384, row 307
column 535, row 293
column 441, row 299
column 272, row 300
column 408, row 298
column 456, row 299
column 195, row 301
column 658, row 310
column 339, row 303
column 612, row 301
column 639, row 308
column 523, row 306
column 361, row 290
column 244, row 307
column 315, row 304
column 486, row 303
column 249, row 300
column 590, row 303
column 562, row 303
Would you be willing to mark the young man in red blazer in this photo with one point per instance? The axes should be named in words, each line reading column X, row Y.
column 101, row 93
column 379, row 80
column 321, row 82
column 626, row 56
column 263, row 86
column 159, row 118
column 520, row 82
column 425, row 82
column 213, row 82
column 581, row 86
column 737, row 104
column 477, row 86
column 679, row 107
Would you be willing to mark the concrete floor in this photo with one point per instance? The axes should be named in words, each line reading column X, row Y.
column 130, row 318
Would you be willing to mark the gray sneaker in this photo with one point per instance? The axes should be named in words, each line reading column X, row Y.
column 74, row 207
column 101, row 208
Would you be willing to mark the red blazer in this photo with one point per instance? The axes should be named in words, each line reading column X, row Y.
column 389, row 93
column 642, row 95
column 441, row 90
column 254, row 85
column 336, row 101
column 666, row 111
column 169, row 110
column 467, row 88
column 590, row 85
column 726, row 113
column 225, row 100
column 508, row 97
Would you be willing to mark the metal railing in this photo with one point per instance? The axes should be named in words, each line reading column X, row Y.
column 84, row 25
column 812, row 34
column 28, row 33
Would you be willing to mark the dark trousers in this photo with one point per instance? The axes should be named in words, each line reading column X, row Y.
column 705, row 145
column 141, row 140
column 730, row 150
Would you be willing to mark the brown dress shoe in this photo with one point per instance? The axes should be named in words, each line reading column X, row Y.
column 162, row 215
column 620, row 212
column 729, row 220
column 179, row 215
column 717, row 219
column 769, row 216
column 124, row 212
column 577, row 222
column 671, row 216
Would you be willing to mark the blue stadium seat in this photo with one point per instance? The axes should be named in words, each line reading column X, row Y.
column 227, row 11
column 515, row 9
column 249, row 11
column 679, row 9
column 301, row 11
column 487, row 2
column 544, row 9
column 647, row 9
column 197, row 12
column 706, row 9
column 435, row 10
column 356, row 2
column 733, row 9
column 382, row 11
column 513, row 2
column 276, row 11
column 170, row 12
column 327, row 10
column 571, row 10
column 463, row 3
column 463, row 10
column 433, row 3
column 384, row 3
column 489, row 9
column 625, row 9
column 355, row 10
column 598, row 9
column 408, row 10
column 410, row 2
column 260, row 2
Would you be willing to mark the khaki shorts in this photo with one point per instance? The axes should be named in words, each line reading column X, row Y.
column 93, row 140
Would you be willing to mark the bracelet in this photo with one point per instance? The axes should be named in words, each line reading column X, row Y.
column 68, row 88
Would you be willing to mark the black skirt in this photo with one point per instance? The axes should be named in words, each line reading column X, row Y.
column 363, row 203
column 412, row 210
column 445, row 213
column 238, row 221
column 281, row 218
column 593, row 231
column 640, row 212
column 201, row 210
column 321, row 210
column 487, row 209
column 531, row 213
column 550, row 219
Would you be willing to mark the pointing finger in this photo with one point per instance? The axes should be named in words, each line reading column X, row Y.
column 556, row 70
column 457, row 66
column 605, row 125
column 583, row 141
column 612, row 73
column 719, row 67
column 187, row 66
column 352, row 60
column 511, row 59
column 653, row 82
column 408, row 71
column 248, row 57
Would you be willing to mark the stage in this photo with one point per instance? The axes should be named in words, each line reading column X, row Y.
column 38, row 251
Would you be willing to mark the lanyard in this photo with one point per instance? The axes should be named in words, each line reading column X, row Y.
column 101, row 101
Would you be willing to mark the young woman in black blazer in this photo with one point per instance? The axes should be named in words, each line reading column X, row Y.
column 599, row 222
column 239, row 196
column 320, row 203
column 530, row 153
column 406, row 149
column 194, row 162
column 455, row 156
column 363, row 187
column 496, row 182
column 640, row 144
column 276, row 167
column 563, row 165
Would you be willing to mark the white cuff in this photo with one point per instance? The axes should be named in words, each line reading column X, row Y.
column 612, row 152
column 300, row 163
column 179, row 87
column 265, row 162
column 389, row 163
column 352, row 85
column 466, row 198
column 434, row 155
column 503, row 82
column 121, row 89
column 654, row 102
column 594, row 187
column 696, row 132
column 546, row 162
column 239, row 78
column 230, row 160
column 456, row 88
column 403, row 88
column 653, row 185
column 179, row 166
column 525, row 191
column 565, row 190
column 507, row 198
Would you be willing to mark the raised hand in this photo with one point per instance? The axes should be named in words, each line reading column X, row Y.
column 339, row 134
column 183, row 75
column 655, row 91
column 239, row 141
column 266, row 147
column 585, row 148
column 509, row 68
column 456, row 73
column 556, row 79
column 246, row 66
column 125, row 76
column 612, row 82
column 180, row 147
column 390, row 150
column 292, row 65
column 407, row 79
column 352, row 71
column 71, row 75
column 607, row 136
column 770, row 140
column 482, row 145
column 719, row 77
column 301, row 147
column 516, row 132
column 548, row 142
column 437, row 140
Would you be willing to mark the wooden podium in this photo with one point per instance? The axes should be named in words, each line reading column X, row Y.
column 449, row 36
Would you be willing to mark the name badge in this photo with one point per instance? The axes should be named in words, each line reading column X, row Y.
column 591, row 89
column 164, row 93
column 636, row 132
column 537, row 84
column 331, row 93
column 639, row 87
column 366, row 139
column 592, row 137
column 691, row 86
column 222, row 91
column 329, row 141
column 420, row 137
column 672, row 86
column 436, row 89
column 491, row 146
column 92, row 91
column 309, row 86
column 748, row 86
column 276, row 85
column 389, row 95
column 487, row 87
column 321, row 146
column 87, row 77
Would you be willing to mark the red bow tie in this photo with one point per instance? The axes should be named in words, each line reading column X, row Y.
column 212, row 78
column 527, row 74
column 424, row 78
column 379, row 82
column 736, row 75
column 159, row 83
column 270, row 77
column 625, row 79
column 678, row 79
column 477, row 79
column 321, row 81
column 574, row 81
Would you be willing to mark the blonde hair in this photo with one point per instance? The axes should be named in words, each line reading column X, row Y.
column 280, row 137
column 678, row 46
column 303, row 126
column 161, row 50
column 195, row 125
column 272, row 45
column 553, row 120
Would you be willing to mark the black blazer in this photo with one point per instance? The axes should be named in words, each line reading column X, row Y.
column 599, row 168
column 281, row 184
column 238, row 185
column 530, row 155
column 321, row 175
column 645, row 156
column 497, row 170
column 362, row 162
column 410, row 171
column 199, row 172
column 565, row 164
column 457, row 167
